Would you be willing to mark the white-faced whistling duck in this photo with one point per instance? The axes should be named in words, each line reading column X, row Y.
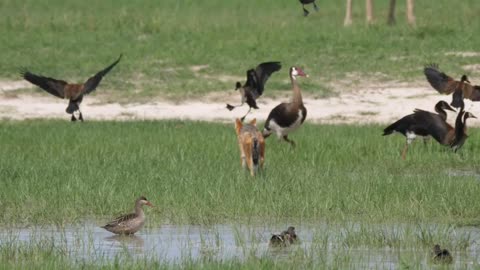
column 442, row 256
column 255, row 84
column 63, row 89
column 284, row 238
column 423, row 123
column 445, row 84
column 130, row 223
column 287, row 117
column 306, row 2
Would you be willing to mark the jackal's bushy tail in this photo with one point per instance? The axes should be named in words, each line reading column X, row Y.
column 255, row 152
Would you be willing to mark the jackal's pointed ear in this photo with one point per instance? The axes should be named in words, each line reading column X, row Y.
column 253, row 122
column 238, row 125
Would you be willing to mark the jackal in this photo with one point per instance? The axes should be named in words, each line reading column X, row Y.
column 252, row 145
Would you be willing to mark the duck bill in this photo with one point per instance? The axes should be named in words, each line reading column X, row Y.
column 302, row 73
column 149, row 204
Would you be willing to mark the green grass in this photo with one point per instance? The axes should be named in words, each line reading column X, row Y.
column 58, row 172
column 162, row 40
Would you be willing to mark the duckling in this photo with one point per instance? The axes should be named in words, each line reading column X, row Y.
column 130, row 223
column 441, row 255
column 285, row 238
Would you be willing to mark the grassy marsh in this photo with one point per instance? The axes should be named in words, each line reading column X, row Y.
column 164, row 42
column 56, row 172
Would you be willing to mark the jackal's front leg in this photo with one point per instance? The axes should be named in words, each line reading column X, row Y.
column 242, row 155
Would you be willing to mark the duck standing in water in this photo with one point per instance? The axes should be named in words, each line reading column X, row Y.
column 288, row 116
column 130, row 223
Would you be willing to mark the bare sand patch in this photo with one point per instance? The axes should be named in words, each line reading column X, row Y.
column 463, row 54
column 14, row 85
column 374, row 104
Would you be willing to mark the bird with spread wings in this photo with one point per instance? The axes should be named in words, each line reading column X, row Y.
column 255, row 84
column 445, row 84
column 71, row 91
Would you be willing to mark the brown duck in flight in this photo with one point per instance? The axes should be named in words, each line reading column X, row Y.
column 255, row 84
column 445, row 84
column 71, row 91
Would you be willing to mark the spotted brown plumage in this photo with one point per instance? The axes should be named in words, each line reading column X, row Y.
column 306, row 2
column 288, row 116
column 73, row 92
column 445, row 84
column 255, row 85
column 129, row 223
column 285, row 238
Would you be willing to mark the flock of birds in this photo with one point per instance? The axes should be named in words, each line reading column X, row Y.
column 424, row 123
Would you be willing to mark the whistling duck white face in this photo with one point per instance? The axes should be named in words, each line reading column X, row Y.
column 294, row 72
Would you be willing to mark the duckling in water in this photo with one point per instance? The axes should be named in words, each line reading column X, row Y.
column 441, row 255
column 284, row 238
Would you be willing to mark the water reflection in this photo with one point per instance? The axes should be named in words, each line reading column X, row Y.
column 359, row 246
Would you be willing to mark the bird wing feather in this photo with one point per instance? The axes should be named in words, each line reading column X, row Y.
column 119, row 220
column 51, row 85
column 263, row 72
column 92, row 83
column 440, row 81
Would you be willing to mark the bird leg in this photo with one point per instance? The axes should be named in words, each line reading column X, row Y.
column 315, row 6
column 243, row 118
column 305, row 12
column 231, row 107
column 80, row 117
column 73, row 118
column 404, row 152
column 285, row 138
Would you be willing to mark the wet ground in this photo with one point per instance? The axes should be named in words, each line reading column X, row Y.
column 381, row 246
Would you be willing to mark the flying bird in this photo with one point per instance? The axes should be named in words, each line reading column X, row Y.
column 255, row 84
column 445, row 84
column 72, row 91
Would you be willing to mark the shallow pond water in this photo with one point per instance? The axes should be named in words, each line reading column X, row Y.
column 355, row 245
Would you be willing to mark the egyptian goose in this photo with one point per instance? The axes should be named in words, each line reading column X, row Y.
column 445, row 84
column 63, row 89
column 130, row 223
column 284, row 238
column 306, row 2
column 441, row 255
column 255, row 84
column 287, row 117
column 424, row 123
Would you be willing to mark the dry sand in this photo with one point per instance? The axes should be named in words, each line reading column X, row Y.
column 379, row 103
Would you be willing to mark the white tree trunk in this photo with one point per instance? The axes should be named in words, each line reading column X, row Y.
column 348, row 14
